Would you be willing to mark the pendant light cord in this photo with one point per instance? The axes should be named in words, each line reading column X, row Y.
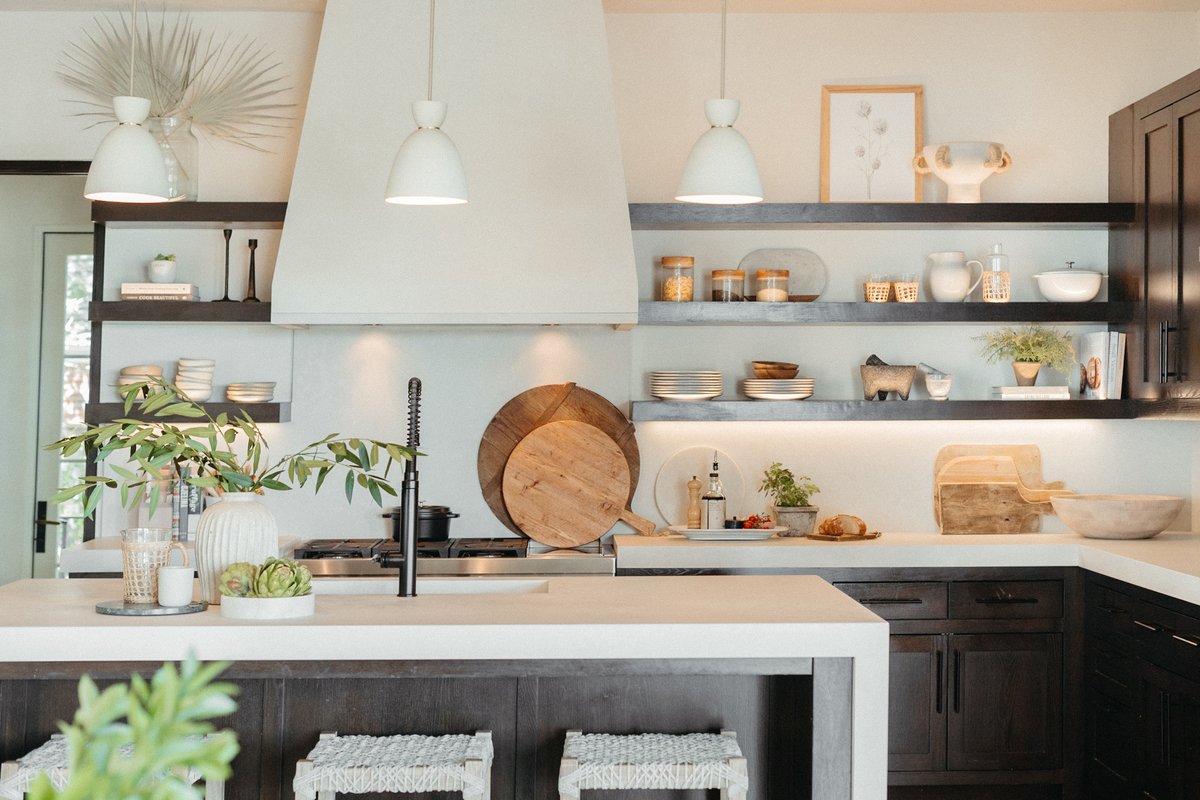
column 430, row 92
column 722, row 49
column 132, row 46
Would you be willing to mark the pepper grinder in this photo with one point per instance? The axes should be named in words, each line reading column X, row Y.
column 226, row 298
column 250, row 298
column 693, row 504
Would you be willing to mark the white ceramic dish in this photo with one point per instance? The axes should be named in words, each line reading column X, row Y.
column 197, row 362
column 687, row 397
column 142, row 369
column 670, row 484
column 268, row 607
column 1117, row 516
column 1069, row 285
column 196, row 395
column 755, row 394
column 727, row 534
column 255, row 385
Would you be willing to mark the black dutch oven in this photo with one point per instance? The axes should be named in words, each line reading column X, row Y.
column 433, row 523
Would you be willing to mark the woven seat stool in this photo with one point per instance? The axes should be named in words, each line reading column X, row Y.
column 53, row 759
column 358, row 764
column 653, row 761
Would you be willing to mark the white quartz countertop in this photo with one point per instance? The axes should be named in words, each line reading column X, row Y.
column 1169, row 563
column 567, row 618
column 104, row 554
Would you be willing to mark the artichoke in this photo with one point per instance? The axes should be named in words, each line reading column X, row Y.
column 280, row 577
column 238, row 580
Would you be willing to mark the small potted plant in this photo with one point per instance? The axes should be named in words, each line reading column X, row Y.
column 162, row 269
column 1028, row 349
column 790, row 495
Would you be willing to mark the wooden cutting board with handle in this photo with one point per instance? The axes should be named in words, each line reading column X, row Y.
column 533, row 408
column 567, row 483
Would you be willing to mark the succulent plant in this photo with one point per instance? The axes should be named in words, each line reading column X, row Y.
column 280, row 577
column 238, row 580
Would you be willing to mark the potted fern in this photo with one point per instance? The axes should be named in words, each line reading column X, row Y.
column 1028, row 348
column 790, row 508
column 226, row 454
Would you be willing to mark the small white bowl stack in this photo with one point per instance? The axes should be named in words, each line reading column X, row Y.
column 194, row 377
column 260, row 392
column 138, row 374
column 686, row 384
column 778, row 388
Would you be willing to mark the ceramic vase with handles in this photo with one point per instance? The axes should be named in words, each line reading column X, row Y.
column 950, row 276
column 962, row 166
column 238, row 528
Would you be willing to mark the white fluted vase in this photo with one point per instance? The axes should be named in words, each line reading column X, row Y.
column 238, row 528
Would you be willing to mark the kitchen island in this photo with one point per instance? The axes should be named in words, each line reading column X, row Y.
column 796, row 667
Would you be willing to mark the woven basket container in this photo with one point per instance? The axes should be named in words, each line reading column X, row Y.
column 906, row 292
column 877, row 292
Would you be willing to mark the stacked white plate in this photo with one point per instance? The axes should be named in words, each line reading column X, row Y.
column 778, row 389
column 259, row 392
column 193, row 378
column 686, row 384
column 138, row 374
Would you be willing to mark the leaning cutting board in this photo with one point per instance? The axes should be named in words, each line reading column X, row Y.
column 993, row 488
column 989, row 508
column 567, row 483
column 529, row 410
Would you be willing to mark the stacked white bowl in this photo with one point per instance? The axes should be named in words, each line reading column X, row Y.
column 686, row 384
column 194, row 377
column 253, row 392
column 138, row 374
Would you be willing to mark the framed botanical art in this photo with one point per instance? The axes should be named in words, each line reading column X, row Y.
column 869, row 135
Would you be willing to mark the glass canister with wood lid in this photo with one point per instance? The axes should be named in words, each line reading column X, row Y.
column 728, row 285
column 772, row 286
column 677, row 281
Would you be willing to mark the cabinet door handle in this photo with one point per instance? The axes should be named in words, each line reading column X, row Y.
column 1150, row 627
column 1185, row 640
column 957, row 679
column 1005, row 600
column 891, row 601
column 1165, row 329
column 1111, row 609
column 939, row 682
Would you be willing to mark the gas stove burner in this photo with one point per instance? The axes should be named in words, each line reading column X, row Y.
column 336, row 548
column 489, row 548
column 424, row 549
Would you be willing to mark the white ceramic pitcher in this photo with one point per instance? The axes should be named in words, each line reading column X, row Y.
column 950, row 276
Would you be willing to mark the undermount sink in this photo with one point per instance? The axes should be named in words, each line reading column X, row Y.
column 463, row 586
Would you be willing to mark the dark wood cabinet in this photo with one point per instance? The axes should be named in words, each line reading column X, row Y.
column 916, row 704
column 1005, row 702
column 1168, row 734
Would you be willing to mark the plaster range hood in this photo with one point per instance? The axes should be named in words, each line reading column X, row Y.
column 545, row 238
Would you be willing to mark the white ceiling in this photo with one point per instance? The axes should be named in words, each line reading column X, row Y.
column 669, row 6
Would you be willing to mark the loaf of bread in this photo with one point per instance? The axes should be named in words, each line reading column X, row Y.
column 843, row 525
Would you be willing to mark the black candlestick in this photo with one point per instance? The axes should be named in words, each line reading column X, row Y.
column 226, row 298
column 250, row 298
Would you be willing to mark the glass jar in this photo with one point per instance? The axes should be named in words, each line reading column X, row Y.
column 677, row 283
column 772, row 286
column 996, row 280
column 181, row 155
column 728, row 285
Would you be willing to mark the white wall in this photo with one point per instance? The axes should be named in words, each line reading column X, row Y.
column 1043, row 84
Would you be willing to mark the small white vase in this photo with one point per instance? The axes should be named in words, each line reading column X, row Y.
column 238, row 528
column 962, row 166
column 161, row 271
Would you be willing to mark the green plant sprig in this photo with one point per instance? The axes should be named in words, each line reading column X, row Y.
column 156, row 445
column 1030, row 343
column 163, row 719
column 781, row 484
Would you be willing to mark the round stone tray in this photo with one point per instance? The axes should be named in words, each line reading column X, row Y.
column 122, row 609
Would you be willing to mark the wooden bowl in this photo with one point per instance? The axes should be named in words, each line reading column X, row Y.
column 779, row 370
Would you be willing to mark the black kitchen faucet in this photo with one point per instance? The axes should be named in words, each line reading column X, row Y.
column 406, row 559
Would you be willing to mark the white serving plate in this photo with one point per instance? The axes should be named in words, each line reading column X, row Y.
column 727, row 534
column 686, row 397
column 755, row 394
column 808, row 275
column 268, row 607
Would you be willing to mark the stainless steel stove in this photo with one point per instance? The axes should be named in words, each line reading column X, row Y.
column 456, row 557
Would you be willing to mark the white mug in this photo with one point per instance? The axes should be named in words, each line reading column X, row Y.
column 175, row 584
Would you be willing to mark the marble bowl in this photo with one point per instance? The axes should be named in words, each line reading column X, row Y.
column 1117, row 516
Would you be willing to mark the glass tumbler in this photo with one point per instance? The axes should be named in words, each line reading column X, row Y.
column 143, row 551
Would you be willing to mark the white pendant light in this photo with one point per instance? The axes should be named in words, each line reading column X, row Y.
column 428, row 170
column 721, row 169
column 128, row 166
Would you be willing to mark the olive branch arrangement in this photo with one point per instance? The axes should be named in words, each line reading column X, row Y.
column 155, row 446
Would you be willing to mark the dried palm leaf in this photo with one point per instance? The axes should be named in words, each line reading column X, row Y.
column 222, row 87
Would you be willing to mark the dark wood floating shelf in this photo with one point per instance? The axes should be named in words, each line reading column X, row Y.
column 769, row 216
column 753, row 313
column 177, row 311
column 190, row 215
column 856, row 410
column 98, row 413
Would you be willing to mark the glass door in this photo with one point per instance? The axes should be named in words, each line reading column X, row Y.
column 62, row 391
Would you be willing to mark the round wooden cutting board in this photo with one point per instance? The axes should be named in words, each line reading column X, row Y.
column 529, row 410
column 567, row 484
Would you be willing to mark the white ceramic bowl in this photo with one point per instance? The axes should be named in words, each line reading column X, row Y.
column 193, row 377
column 1069, row 285
column 142, row 369
column 1117, row 516
column 197, row 395
column 268, row 607
column 197, row 362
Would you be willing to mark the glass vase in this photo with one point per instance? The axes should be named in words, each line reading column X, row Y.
column 181, row 154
